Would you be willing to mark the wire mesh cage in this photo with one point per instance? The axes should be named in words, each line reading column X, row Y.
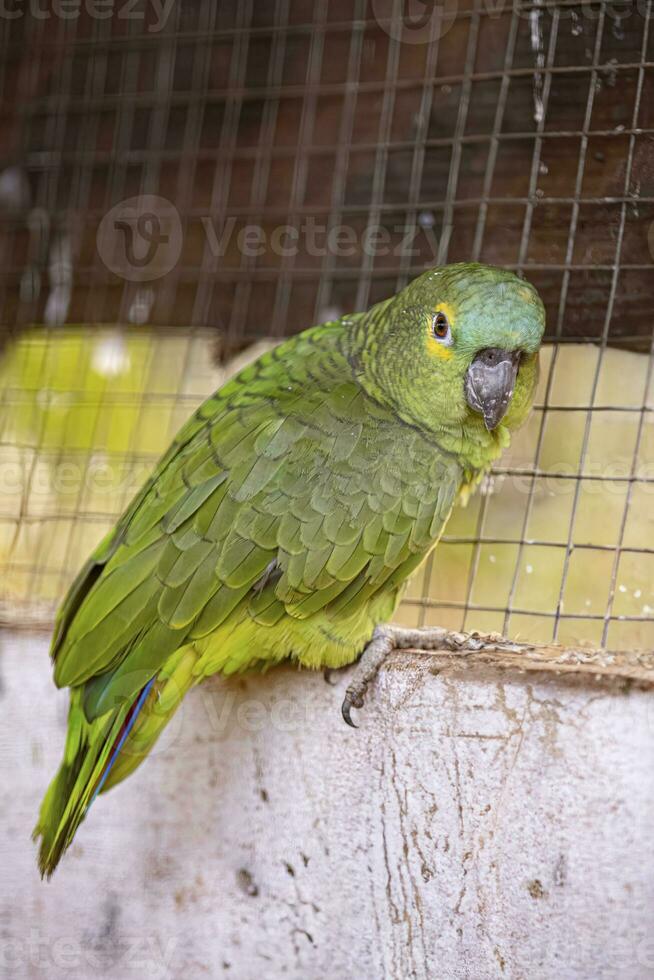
column 181, row 181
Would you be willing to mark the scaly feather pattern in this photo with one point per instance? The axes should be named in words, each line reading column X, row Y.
column 282, row 522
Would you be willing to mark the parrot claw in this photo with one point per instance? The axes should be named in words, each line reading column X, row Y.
column 382, row 642
column 346, row 708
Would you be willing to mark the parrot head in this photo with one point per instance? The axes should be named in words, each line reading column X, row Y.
column 457, row 349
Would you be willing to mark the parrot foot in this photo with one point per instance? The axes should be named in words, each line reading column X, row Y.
column 384, row 640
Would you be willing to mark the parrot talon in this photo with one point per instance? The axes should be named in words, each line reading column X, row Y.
column 346, row 708
column 384, row 640
column 327, row 674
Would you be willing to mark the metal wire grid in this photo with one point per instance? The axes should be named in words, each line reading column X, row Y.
column 274, row 113
column 76, row 472
column 141, row 157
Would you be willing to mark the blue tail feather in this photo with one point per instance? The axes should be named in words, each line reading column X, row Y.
column 121, row 741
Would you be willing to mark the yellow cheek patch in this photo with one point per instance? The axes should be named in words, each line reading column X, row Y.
column 433, row 346
column 440, row 350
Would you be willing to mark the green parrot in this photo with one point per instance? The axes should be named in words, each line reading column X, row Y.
column 287, row 515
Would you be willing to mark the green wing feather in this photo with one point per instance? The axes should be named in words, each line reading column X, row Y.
column 289, row 493
column 246, row 486
column 282, row 521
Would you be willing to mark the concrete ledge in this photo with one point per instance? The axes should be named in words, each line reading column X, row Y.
column 479, row 824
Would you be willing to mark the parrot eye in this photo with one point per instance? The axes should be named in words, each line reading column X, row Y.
column 440, row 326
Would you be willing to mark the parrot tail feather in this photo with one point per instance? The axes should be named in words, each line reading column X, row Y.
column 121, row 738
column 102, row 752
column 92, row 750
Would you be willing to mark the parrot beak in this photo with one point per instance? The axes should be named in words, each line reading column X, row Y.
column 489, row 383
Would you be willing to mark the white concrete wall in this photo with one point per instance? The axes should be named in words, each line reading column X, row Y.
column 477, row 825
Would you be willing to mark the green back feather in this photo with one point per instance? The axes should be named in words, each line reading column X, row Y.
column 312, row 483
